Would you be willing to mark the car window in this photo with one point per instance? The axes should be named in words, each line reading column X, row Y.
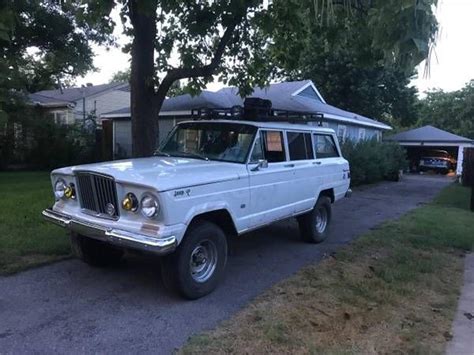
column 324, row 146
column 210, row 140
column 269, row 145
column 257, row 151
column 299, row 146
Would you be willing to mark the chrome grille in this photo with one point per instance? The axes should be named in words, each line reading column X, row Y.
column 96, row 192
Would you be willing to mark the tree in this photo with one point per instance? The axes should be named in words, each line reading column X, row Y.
column 451, row 111
column 42, row 44
column 207, row 38
column 360, row 54
column 352, row 76
column 121, row 76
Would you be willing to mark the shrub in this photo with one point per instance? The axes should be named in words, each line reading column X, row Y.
column 54, row 146
column 371, row 161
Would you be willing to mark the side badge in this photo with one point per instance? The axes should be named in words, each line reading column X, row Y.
column 182, row 193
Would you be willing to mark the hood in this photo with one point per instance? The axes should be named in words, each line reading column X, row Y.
column 163, row 173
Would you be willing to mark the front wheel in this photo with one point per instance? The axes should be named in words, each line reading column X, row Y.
column 314, row 224
column 196, row 268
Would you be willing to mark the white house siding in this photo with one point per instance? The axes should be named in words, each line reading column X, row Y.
column 123, row 135
column 353, row 132
column 102, row 103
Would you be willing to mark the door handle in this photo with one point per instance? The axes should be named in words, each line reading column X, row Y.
column 289, row 165
column 317, row 163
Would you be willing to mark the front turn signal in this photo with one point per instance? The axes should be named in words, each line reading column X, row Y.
column 130, row 202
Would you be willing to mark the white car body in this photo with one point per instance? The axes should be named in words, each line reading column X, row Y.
column 187, row 188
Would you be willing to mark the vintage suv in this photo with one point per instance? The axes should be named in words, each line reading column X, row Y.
column 212, row 179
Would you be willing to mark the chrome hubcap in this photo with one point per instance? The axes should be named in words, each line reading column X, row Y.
column 203, row 261
column 321, row 219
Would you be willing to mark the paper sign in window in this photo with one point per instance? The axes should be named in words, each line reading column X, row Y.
column 274, row 143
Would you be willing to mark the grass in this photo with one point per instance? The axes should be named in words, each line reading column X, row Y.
column 393, row 290
column 25, row 239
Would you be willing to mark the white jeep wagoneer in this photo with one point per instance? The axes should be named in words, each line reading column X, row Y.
column 212, row 179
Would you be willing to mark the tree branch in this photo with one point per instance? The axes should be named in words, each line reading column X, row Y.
column 202, row 71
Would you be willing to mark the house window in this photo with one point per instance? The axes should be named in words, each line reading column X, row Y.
column 60, row 117
column 361, row 134
column 341, row 132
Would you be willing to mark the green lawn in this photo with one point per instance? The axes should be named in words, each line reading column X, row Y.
column 393, row 290
column 25, row 239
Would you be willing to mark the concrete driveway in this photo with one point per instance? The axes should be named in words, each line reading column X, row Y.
column 69, row 307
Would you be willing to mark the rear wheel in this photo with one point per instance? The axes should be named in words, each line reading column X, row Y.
column 198, row 265
column 95, row 252
column 314, row 224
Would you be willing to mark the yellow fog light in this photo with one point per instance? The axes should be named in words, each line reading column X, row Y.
column 130, row 202
column 69, row 191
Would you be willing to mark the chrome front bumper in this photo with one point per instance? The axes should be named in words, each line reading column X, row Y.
column 113, row 236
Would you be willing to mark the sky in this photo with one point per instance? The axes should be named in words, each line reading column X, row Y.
column 451, row 66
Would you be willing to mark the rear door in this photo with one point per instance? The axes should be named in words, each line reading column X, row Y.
column 332, row 170
column 305, row 177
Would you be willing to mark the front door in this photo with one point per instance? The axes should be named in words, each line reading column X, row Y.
column 270, row 187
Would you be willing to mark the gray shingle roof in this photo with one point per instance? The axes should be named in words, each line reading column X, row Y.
column 280, row 94
column 70, row 95
column 428, row 134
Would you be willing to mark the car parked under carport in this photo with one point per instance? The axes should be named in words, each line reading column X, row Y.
column 419, row 142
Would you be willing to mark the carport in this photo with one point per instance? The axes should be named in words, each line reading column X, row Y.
column 417, row 141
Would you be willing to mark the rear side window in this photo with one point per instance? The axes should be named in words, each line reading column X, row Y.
column 324, row 146
column 269, row 145
column 299, row 146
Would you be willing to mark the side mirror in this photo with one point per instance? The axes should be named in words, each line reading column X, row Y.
column 261, row 164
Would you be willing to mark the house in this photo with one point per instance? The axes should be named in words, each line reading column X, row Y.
column 417, row 141
column 76, row 104
column 301, row 96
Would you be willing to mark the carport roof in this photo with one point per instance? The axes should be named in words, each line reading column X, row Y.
column 428, row 134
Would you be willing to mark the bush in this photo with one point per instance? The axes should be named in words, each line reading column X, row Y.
column 371, row 161
column 53, row 146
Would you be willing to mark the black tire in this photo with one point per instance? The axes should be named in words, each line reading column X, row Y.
column 95, row 252
column 310, row 230
column 202, row 242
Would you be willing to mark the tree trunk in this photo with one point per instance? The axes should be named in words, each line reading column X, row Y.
column 472, row 198
column 142, row 92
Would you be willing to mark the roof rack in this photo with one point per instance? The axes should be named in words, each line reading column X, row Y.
column 256, row 109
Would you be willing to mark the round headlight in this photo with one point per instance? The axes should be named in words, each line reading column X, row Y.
column 149, row 206
column 59, row 188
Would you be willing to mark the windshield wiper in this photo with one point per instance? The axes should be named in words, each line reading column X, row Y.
column 192, row 154
column 159, row 153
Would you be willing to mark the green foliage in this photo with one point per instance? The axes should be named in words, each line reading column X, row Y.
column 121, row 76
column 361, row 55
column 26, row 239
column 54, row 146
column 371, row 161
column 43, row 43
column 452, row 111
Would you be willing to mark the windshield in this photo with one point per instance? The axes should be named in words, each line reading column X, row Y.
column 210, row 140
